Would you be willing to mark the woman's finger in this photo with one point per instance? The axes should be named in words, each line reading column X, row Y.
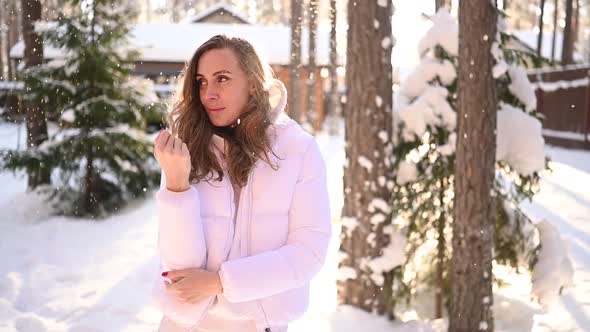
column 158, row 143
column 164, row 135
column 175, row 275
column 177, row 145
column 169, row 143
column 169, row 286
column 158, row 136
column 160, row 139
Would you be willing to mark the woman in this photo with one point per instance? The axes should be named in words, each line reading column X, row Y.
column 244, row 220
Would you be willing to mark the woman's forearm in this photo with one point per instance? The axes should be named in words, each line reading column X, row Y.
column 181, row 240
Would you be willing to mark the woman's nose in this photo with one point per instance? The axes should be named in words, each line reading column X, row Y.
column 211, row 92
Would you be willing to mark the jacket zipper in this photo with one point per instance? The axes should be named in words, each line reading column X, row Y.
column 267, row 329
column 234, row 216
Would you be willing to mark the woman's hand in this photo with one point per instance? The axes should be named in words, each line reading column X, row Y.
column 192, row 285
column 174, row 159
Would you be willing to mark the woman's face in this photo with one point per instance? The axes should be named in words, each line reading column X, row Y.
column 223, row 86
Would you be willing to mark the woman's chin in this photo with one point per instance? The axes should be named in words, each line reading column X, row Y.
column 221, row 122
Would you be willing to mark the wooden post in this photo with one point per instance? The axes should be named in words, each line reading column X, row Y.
column 539, row 94
column 587, row 115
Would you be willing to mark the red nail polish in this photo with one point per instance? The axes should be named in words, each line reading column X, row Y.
column 164, row 274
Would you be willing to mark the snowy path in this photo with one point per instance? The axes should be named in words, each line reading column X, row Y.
column 84, row 276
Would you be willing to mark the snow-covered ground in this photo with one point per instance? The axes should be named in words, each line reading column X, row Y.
column 61, row 274
column 564, row 200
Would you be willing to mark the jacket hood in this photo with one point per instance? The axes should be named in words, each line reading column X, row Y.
column 277, row 96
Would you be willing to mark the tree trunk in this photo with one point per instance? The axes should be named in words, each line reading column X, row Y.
column 14, row 27
column 441, row 245
column 518, row 15
column 89, row 198
column 587, row 9
column 311, row 79
column 35, row 114
column 474, row 207
column 554, row 40
column 285, row 11
column 540, row 37
column 295, row 66
column 567, row 51
column 369, row 151
column 576, row 23
column 174, row 10
column 3, row 8
column 333, row 110
column 148, row 12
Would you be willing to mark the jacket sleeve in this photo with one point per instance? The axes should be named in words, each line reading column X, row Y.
column 295, row 263
column 181, row 245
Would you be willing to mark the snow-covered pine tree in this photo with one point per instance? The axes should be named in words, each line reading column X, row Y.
column 100, row 154
column 424, row 141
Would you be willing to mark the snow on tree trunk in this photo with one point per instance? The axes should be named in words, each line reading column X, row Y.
column 474, row 208
column 295, row 65
column 367, row 249
column 35, row 113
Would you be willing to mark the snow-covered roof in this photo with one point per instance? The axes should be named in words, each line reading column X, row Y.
column 217, row 7
column 176, row 42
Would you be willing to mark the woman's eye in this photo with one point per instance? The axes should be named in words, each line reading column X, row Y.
column 201, row 83
column 222, row 78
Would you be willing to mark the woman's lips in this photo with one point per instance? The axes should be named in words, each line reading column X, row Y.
column 216, row 109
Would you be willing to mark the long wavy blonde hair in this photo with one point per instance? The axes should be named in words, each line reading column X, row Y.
column 246, row 142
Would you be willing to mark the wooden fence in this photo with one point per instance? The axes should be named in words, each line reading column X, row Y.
column 563, row 97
